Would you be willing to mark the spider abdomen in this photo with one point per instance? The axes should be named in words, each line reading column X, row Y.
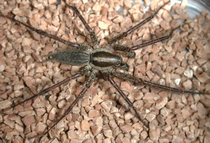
column 71, row 57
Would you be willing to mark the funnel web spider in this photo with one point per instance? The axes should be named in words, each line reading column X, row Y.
column 98, row 61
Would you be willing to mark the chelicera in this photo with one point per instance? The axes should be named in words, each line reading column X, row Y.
column 96, row 60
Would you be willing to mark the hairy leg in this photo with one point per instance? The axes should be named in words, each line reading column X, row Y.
column 82, row 72
column 44, row 91
column 132, row 29
column 128, row 101
column 41, row 32
column 137, row 80
column 89, row 82
column 129, row 50
column 89, row 29
column 163, row 38
column 66, row 112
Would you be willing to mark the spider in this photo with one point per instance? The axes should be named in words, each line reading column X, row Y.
column 101, row 62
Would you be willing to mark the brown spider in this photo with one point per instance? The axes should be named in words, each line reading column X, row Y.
column 100, row 61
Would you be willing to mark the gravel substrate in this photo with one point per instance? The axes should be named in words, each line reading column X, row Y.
column 102, row 115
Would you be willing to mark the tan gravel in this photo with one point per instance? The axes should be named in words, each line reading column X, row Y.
column 99, row 117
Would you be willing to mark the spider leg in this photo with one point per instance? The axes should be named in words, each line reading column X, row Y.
column 128, row 101
column 129, row 50
column 42, row 92
column 129, row 31
column 66, row 112
column 89, row 29
column 41, row 32
column 81, row 94
column 134, row 79
column 125, row 49
column 136, row 47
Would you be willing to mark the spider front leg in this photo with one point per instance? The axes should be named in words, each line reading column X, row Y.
column 129, row 50
column 125, row 49
column 133, row 79
column 136, row 47
column 131, row 30
column 89, row 29
column 41, row 32
column 137, row 80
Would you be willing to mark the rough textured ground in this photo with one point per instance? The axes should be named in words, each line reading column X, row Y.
column 102, row 116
